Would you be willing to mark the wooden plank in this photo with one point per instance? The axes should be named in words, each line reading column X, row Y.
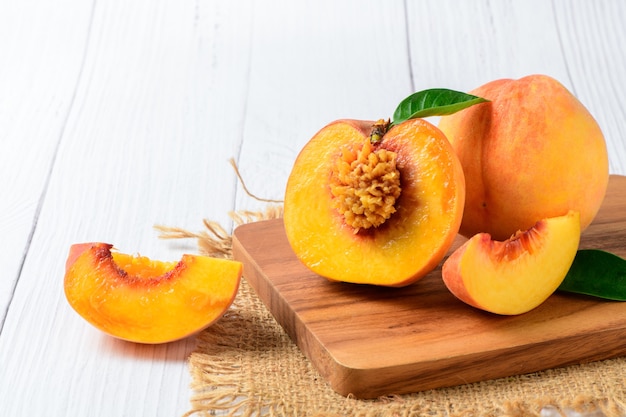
column 143, row 143
column 36, row 93
column 369, row 341
column 484, row 41
column 302, row 77
column 589, row 34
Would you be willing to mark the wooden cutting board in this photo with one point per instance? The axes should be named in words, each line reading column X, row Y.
column 369, row 341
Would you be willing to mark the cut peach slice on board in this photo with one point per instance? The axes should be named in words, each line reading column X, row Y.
column 514, row 276
column 141, row 300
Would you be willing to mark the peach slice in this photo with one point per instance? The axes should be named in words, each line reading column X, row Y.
column 141, row 300
column 516, row 275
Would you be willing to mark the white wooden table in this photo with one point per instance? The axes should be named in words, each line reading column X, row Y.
column 119, row 115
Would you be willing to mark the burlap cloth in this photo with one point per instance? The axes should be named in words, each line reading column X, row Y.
column 246, row 365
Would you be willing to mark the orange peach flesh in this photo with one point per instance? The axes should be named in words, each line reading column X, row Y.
column 408, row 245
column 516, row 275
column 137, row 299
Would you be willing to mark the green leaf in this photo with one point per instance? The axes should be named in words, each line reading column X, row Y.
column 597, row 273
column 433, row 102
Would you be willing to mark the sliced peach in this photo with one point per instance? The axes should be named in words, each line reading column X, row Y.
column 514, row 276
column 141, row 300
column 381, row 212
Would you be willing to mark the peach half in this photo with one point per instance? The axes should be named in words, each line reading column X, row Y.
column 514, row 276
column 141, row 300
column 370, row 206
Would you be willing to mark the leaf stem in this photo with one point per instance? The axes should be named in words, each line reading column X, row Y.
column 379, row 129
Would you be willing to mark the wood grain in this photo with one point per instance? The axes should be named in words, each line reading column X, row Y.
column 33, row 113
column 369, row 341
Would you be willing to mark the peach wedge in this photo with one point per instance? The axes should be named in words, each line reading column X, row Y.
column 141, row 300
column 514, row 276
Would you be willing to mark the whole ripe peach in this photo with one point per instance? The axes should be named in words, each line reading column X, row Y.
column 534, row 151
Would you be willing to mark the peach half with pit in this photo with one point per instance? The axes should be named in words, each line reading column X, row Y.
column 141, row 300
column 516, row 275
column 367, row 203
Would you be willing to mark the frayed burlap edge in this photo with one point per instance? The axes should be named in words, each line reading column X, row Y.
column 246, row 365
column 215, row 241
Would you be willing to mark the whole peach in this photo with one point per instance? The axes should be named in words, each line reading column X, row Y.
column 534, row 151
